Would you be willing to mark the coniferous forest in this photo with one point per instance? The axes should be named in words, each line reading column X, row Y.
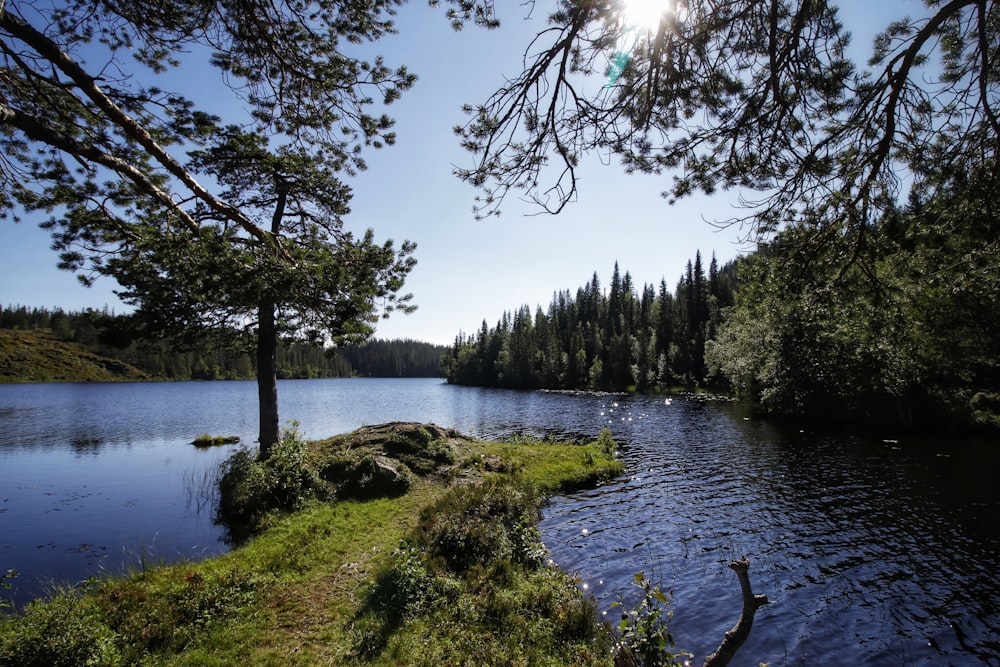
column 614, row 338
column 899, row 328
column 108, row 335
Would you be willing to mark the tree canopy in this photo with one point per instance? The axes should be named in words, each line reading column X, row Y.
column 203, row 223
column 755, row 96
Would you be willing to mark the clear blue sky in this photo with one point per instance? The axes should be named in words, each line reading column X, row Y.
column 472, row 270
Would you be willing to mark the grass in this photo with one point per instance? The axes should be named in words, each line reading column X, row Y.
column 355, row 582
column 38, row 356
column 209, row 440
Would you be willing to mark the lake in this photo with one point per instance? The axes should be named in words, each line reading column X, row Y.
column 873, row 550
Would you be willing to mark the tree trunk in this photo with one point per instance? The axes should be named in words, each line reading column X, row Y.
column 735, row 637
column 267, row 346
column 267, row 377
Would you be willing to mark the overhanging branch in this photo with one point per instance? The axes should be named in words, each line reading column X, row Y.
column 39, row 132
column 48, row 49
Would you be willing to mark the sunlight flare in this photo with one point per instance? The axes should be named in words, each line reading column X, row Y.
column 639, row 18
column 643, row 15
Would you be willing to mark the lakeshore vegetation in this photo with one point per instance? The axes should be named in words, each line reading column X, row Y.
column 908, row 334
column 441, row 566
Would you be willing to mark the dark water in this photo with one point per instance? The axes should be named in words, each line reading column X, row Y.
column 879, row 551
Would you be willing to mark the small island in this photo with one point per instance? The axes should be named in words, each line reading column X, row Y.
column 206, row 440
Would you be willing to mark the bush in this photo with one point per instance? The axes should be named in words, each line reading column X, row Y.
column 60, row 632
column 607, row 443
column 480, row 523
column 251, row 488
column 645, row 628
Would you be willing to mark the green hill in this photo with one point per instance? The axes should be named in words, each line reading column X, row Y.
column 38, row 356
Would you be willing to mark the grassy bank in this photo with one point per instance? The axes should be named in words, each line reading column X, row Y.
column 448, row 570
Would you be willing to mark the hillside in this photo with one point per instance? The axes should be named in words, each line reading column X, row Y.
column 38, row 356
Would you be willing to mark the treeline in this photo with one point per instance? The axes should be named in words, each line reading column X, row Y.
column 621, row 338
column 897, row 324
column 104, row 333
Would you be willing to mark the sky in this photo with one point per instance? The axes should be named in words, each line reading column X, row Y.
column 471, row 270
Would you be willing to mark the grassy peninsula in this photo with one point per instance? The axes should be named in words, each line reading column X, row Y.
column 442, row 566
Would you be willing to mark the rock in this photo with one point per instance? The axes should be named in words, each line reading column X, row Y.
column 375, row 476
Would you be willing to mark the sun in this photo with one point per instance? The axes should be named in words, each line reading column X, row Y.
column 644, row 14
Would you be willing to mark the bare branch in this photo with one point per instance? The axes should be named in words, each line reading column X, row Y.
column 738, row 635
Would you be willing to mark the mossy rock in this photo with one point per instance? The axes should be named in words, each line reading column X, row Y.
column 370, row 476
column 422, row 448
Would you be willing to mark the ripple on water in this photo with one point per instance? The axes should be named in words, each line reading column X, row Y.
column 864, row 557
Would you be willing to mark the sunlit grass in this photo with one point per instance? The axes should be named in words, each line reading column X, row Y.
column 301, row 591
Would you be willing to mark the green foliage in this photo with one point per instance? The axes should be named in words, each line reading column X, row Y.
column 476, row 524
column 205, row 226
column 645, row 627
column 607, row 443
column 907, row 335
column 619, row 339
column 469, row 582
column 122, row 621
column 65, row 631
column 251, row 487
column 502, row 616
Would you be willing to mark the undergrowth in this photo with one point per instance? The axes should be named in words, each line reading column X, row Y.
column 469, row 585
column 451, row 572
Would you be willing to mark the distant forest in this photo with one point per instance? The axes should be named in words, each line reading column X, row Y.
column 619, row 338
column 106, row 334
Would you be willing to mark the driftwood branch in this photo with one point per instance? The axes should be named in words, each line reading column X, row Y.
column 735, row 637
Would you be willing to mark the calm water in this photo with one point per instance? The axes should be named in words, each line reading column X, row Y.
column 880, row 551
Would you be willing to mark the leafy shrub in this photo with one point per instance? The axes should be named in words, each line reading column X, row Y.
column 479, row 523
column 607, row 443
column 645, row 628
column 63, row 631
column 251, row 488
column 404, row 586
